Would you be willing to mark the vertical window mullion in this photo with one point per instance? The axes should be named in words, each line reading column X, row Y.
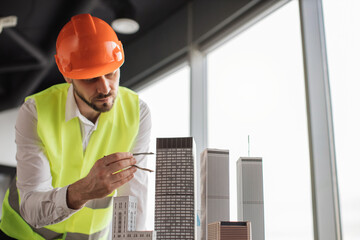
column 321, row 136
column 198, row 113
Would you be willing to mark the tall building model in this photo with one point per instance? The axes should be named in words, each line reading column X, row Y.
column 124, row 220
column 175, row 189
column 250, row 194
column 229, row 231
column 214, row 188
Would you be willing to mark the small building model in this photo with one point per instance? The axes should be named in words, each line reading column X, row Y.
column 229, row 231
column 250, row 194
column 175, row 191
column 214, row 187
column 124, row 220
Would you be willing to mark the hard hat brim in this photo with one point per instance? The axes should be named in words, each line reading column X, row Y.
column 92, row 72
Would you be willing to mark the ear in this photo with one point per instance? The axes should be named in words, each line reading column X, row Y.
column 68, row 80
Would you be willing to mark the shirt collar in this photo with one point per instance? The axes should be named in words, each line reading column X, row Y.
column 72, row 110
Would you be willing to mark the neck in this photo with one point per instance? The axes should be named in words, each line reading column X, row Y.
column 86, row 110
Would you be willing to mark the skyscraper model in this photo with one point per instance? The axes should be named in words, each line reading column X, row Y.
column 175, row 191
column 229, row 231
column 214, row 188
column 124, row 220
column 250, row 194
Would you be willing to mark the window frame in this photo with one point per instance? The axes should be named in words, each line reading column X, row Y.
column 318, row 102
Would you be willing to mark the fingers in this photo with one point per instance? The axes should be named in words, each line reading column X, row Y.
column 123, row 177
column 117, row 157
column 119, row 165
column 122, row 181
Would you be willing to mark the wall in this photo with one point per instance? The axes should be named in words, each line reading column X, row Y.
column 7, row 137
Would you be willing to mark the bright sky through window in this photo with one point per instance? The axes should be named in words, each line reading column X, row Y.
column 256, row 89
column 342, row 31
column 169, row 101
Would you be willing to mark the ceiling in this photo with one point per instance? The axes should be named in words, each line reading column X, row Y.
column 27, row 51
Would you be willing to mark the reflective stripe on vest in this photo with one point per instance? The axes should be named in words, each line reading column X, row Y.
column 48, row 234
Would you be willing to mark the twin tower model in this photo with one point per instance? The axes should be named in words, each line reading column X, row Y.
column 176, row 204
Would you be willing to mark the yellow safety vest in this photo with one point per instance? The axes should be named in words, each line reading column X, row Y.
column 116, row 132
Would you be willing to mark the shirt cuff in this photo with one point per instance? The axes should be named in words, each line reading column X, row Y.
column 62, row 203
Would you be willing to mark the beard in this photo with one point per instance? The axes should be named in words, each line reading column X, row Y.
column 102, row 107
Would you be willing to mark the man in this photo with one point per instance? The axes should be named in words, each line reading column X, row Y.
column 74, row 143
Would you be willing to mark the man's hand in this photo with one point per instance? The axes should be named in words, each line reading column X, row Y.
column 103, row 178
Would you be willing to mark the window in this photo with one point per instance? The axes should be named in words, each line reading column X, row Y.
column 343, row 48
column 6, row 175
column 256, row 89
column 169, row 101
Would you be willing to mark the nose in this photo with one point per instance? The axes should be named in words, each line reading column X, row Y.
column 103, row 85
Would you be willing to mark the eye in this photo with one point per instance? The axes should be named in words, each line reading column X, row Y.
column 90, row 80
column 110, row 75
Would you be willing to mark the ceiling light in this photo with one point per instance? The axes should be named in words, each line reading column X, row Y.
column 9, row 21
column 125, row 25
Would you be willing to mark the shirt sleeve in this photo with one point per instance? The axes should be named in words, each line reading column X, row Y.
column 41, row 204
column 138, row 186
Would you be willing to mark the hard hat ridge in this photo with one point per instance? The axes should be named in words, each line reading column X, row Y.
column 83, row 24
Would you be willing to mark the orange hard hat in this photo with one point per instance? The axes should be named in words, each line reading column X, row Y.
column 88, row 47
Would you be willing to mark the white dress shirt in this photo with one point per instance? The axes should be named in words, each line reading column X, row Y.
column 41, row 204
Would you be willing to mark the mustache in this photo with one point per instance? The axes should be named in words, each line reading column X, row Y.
column 101, row 96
